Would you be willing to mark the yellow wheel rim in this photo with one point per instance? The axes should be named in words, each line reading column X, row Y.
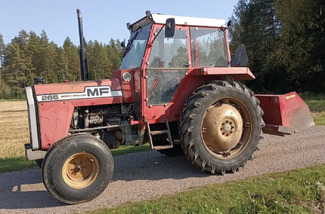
column 222, row 127
column 226, row 128
column 80, row 170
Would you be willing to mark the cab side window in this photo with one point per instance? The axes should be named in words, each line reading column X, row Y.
column 169, row 52
column 208, row 47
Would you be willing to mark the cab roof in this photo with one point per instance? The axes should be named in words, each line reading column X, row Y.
column 179, row 20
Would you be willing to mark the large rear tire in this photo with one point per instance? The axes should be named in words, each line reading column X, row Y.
column 77, row 169
column 221, row 126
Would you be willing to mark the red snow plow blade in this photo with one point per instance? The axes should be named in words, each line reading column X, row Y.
column 285, row 114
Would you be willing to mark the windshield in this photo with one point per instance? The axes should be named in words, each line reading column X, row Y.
column 135, row 48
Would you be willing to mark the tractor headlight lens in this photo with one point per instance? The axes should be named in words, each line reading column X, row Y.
column 127, row 77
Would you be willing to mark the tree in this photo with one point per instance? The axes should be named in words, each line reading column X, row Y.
column 71, row 53
column 2, row 49
column 4, row 89
column 285, row 43
column 257, row 26
column 115, row 53
column 303, row 39
column 99, row 64
column 30, row 55
column 17, row 72
column 61, row 66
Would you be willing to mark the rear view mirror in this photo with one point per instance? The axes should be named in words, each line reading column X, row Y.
column 170, row 27
column 123, row 45
column 229, row 23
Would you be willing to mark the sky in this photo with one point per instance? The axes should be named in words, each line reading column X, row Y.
column 102, row 19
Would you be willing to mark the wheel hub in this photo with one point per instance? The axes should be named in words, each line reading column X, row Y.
column 227, row 128
column 222, row 127
column 80, row 170
column 77, row 168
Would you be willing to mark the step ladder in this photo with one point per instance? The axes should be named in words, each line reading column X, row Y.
column 166, row 132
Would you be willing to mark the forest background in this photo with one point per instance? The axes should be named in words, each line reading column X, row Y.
column 284, row 39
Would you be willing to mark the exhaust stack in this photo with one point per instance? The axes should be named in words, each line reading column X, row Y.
column 82, row 51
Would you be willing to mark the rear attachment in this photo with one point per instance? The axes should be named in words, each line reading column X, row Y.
column 285, row 114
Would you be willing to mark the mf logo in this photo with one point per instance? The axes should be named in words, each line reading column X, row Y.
column 89, row 93
column 100, row 91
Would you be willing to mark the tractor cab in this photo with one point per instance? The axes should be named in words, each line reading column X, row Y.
column 162, row 51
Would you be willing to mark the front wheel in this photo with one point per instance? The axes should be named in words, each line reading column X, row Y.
column 221, row 126
column 77, row 169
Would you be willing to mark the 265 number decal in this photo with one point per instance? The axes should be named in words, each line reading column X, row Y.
column 50, row 97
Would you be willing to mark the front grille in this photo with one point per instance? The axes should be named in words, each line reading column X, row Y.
column 32, row 118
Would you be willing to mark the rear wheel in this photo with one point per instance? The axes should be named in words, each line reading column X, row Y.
column 77, row 169
column 221, row 126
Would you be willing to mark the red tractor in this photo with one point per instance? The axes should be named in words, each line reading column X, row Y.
column 177, row 88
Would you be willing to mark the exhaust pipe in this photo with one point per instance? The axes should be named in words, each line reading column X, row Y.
column 82, row 51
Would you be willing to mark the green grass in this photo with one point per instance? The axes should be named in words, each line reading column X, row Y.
column 316, row 104
column 298, row 191
column 12, row 100
column 15, row 164
column 319, row 118
column 130, row 149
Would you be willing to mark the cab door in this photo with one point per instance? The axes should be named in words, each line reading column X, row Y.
column 167, row 65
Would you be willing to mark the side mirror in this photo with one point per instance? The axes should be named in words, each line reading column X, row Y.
column 229, row 23
column 123, row 45
column 240, row 59
column 170, row 28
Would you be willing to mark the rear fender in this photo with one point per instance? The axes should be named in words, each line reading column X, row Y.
column 235, row 73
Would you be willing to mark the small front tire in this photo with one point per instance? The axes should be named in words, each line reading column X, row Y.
column 77, row 169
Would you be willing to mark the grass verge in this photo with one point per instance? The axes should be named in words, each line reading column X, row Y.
column 130, row 149
column 15, row 164
column 297, row 191
column 316, row 104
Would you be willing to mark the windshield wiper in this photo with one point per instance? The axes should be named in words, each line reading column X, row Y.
column 129, row 45
column 157, row 34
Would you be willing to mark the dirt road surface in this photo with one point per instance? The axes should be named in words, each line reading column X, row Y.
column 144, row 175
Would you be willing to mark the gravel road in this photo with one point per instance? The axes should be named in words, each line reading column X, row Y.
column 144, row 175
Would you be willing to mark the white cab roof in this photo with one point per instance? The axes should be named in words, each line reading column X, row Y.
column 179, row 20
column 183, row 20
